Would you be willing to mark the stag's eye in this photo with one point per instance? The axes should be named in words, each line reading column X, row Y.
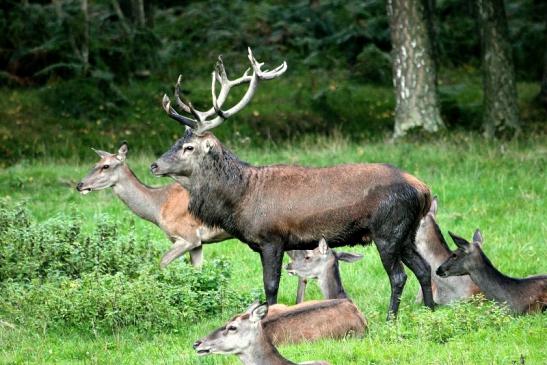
column 188, row 148
column 105, row 167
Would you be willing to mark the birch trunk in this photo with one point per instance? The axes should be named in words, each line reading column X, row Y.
column 414, row 72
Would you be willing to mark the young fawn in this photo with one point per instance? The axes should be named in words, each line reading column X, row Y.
column 434, row 249
column 321, row 263
column 166, row 206
column 521, row 295
column 245, row 337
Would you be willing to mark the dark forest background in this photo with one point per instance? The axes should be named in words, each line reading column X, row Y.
column 81, row 73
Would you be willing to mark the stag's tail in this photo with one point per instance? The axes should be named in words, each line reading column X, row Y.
column 424, row 194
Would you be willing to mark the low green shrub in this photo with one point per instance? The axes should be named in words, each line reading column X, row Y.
column 53, row 275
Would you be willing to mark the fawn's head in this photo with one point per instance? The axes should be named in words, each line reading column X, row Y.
column 466, row 258
column 311, row 264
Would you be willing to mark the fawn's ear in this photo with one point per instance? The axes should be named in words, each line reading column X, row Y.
column 460, row 242
column 258, row 312
column 323, row 247
column 101, row 154
column 433, row 207
column 477, row 237
column 348, row 256
column 122, row 151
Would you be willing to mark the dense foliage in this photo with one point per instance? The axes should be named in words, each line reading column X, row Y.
column 53, row 274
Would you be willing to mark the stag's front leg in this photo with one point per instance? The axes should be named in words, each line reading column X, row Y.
column 272, row 259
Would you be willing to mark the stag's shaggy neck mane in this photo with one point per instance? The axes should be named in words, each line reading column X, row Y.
column 217, row 187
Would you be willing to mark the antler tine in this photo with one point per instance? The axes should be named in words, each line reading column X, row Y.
column 268, row 74
column 166, row 103
column 178, row 99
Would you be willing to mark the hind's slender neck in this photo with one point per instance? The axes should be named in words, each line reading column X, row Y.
column 494, row 284
column 330, row 282
column 141, row 199
column 262, row 352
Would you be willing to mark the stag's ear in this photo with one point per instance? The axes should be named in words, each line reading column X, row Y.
column 209, row 145
column 101, row 153
column 323, row 247
column 122, row 151
column 460, row 242
column 433, row 207
column 477, row 237
column 348, row 256
column 259, row 312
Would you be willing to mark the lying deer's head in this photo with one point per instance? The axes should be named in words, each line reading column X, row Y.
column 237, row 336
column 311, row 264
column 188, row 152
column 105, row 173
column 465, row 259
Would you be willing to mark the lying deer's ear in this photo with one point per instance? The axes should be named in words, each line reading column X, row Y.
column 122, row 151
column 477, row 237
column 101, row 153
column 460, row 242
column 259, row 312
column 323, row 247
column 434, row 206
column 348, row 256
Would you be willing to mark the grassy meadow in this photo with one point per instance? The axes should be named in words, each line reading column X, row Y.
column 496, row 186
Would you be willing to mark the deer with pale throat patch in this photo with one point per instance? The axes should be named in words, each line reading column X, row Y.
column 166, row 206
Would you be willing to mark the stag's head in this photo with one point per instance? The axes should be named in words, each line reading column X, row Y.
column 197, row 143
column 106, row 172
column 465, row 259
column 237, row 336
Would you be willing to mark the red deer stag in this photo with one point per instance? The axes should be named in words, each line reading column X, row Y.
column 279, row 208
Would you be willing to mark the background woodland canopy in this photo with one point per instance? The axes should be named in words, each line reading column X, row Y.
column 93, row 72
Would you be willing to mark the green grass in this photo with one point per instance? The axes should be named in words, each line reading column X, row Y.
column 497, row 186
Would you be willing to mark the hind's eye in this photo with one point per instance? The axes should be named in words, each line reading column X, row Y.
column 307, row 258
column 105, row 167
column 188, row 148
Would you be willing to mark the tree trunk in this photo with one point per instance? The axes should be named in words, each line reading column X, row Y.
column 500, row 109
column 414, row 71
column 542, row 96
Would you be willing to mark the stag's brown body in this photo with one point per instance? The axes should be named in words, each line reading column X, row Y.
column 278, row 208
column 313, row 320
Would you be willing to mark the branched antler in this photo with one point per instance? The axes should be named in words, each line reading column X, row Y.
column 213, row 117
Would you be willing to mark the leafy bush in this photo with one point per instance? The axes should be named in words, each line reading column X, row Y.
column 54, row 275
column 373, row 65
column 448, row 322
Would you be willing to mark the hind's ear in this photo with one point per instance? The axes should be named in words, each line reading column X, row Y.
column 433, row 207
column 323, row 247
column 258, row 312
column 101, row 153
column 460, row 242
column 348, row 256
column 477, row 237
column 122, row 151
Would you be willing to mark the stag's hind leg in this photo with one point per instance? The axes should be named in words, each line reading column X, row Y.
column 396, row 273
column 419, row 266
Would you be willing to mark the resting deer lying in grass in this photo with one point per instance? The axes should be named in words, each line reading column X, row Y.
column 313, row 320
column 521, row 295
column 281, row 208
column 433, row 248
column 166, row 206
column 245, row 337
column 321, row 263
